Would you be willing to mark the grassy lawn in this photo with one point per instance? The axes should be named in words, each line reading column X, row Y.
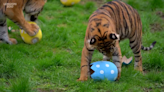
column 53, row 64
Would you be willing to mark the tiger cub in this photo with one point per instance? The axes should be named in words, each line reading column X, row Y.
column 108, row 25
column 13, row 9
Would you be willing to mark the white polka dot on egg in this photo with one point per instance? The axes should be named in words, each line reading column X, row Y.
column 64, row 0
column 112, row 71
column 107, row 65
column 34, row 40
column 25, row 32
column 72, row 3
column 97, row 65
column 23, row 38
column 101, row 72
column 21, row 31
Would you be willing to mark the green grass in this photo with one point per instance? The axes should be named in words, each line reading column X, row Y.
column 53, row 64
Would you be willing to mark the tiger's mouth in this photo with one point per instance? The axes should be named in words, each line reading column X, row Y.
column 107, row 48
column 105, row 51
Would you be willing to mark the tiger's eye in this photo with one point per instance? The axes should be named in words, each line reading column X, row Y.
column 113, row 36
column 92, row 29
column 92, row 41
column 106, row 25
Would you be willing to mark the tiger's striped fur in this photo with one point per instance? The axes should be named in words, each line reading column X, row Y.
column 108, row 25
column 13, row 9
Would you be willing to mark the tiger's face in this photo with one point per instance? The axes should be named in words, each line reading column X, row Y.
column 103, row 35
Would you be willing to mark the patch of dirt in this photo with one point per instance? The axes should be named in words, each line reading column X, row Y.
column 45, row 90
column 156, row 27
column 147, row 89
column 160, row 13
column 62, row 25
column 145, row 71
column 156, row 86
column 98, row 2
column 49, row 17
column 51, row 90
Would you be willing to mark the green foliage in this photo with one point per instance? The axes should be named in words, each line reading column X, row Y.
column 89, row 5
column 21, row 85
column 156, row 4
column 8, row 69
column 154, row 76
column 146, row 5
column 53, row 64
column 47, row 63
column 155, row 62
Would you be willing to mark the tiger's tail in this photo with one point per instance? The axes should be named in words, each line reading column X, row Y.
column 148, row 48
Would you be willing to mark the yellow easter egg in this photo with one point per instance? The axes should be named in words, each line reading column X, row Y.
column 69, row 2
column 31, row 39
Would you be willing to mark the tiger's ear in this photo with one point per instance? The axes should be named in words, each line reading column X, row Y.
column 92, row 41
column 114, row 36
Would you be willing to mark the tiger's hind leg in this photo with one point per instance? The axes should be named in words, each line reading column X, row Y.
column 136, row 48
column 4, row 32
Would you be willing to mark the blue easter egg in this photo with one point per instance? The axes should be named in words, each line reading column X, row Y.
column 104, row 70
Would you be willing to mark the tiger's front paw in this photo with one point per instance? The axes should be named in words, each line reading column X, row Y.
column 34, row 29
column 82, row 79
column 139, row 69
